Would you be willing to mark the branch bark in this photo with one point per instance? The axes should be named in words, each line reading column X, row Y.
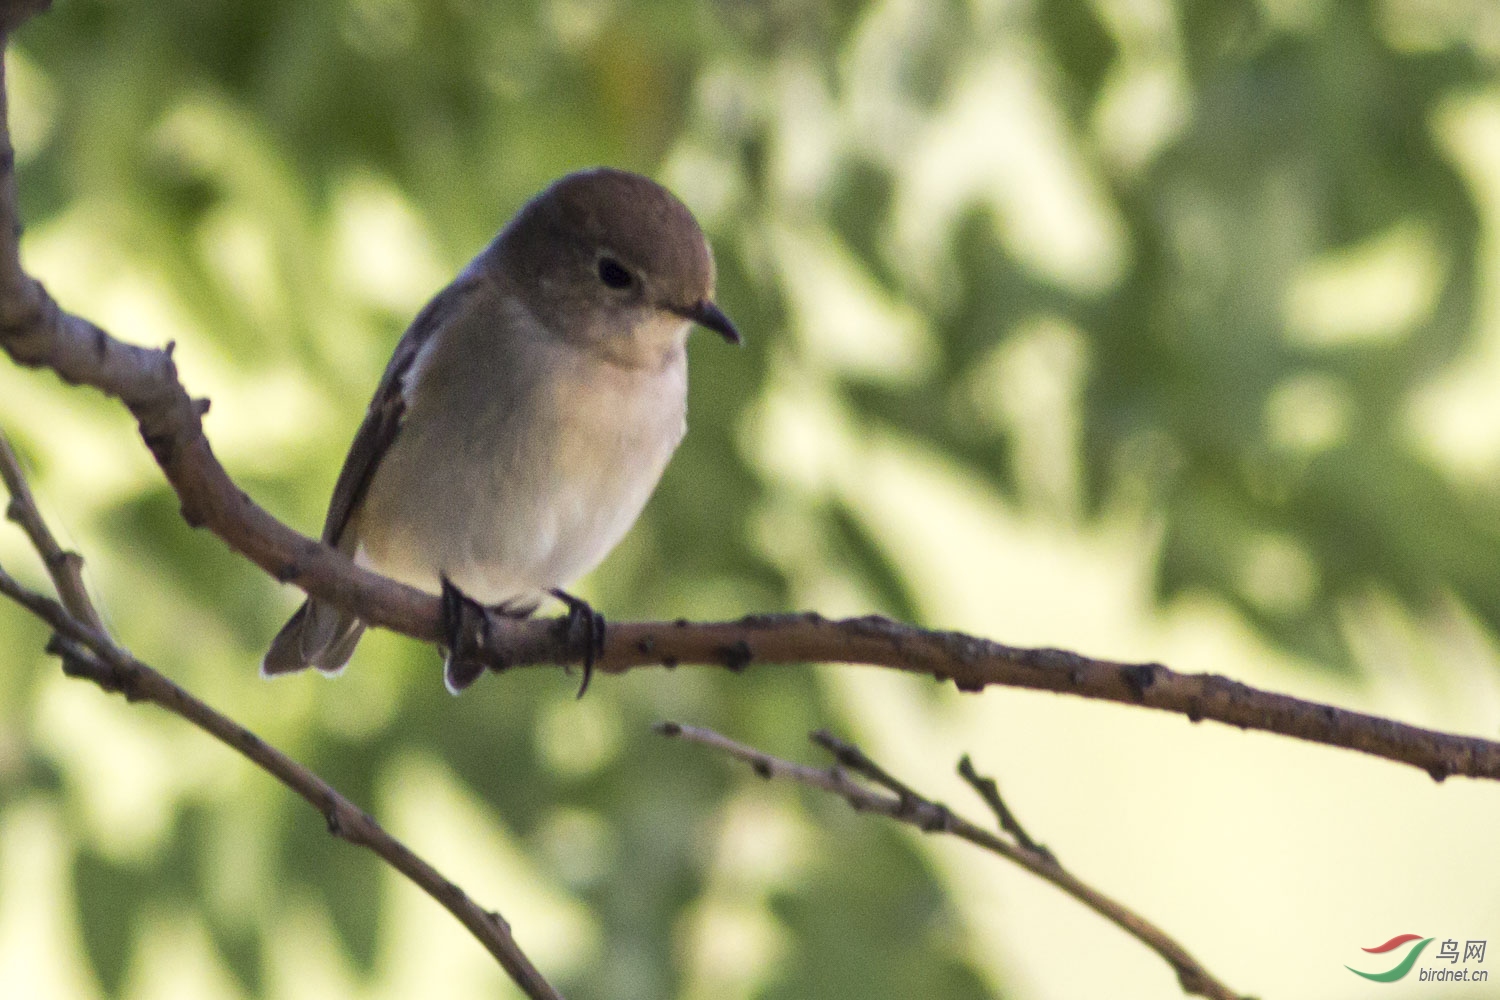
column 908, row 806
column 88, row 652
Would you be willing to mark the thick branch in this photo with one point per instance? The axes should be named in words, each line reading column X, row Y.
column 908, row 806
column 37, row 333
column 973, row 664
column 87, row 651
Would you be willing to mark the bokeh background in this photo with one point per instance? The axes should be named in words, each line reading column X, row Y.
column 1159, row 330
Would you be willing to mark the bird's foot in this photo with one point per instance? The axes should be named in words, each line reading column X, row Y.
column 584, row 626
column 467, row 628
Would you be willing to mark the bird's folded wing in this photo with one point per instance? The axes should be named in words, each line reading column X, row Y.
column 383, row 420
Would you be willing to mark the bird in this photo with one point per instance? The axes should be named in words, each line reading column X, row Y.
column 525, row 417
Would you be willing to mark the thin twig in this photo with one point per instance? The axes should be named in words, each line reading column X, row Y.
column 934, row 817
column 87, row 651
column 855, row 760
column 990, row 792
column 65, row 568
column 36, row 332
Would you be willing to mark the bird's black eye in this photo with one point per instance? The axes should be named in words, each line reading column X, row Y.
column 613, row 273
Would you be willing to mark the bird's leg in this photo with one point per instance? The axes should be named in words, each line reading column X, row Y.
column 583, row 618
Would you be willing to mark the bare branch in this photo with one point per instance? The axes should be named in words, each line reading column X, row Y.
column 88, row 652
column 854, row 759
column 928, row 816
column 36, row 332
column 65, row 568
column 990, row 792
column 973, row 664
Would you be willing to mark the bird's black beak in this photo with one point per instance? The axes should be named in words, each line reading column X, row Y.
column 710, row 316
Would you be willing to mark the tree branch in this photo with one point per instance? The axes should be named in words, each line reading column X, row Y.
column 36, row 332
column 973, row 664
column 87, row 651
column 65, row 568
column 986, row 789
column 908, row 806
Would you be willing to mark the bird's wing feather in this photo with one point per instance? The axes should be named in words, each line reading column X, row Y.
column 383, row 419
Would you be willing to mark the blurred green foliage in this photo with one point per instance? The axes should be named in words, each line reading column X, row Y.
column 1093, row 243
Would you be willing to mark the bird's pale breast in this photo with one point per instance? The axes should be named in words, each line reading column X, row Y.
column 546, row 464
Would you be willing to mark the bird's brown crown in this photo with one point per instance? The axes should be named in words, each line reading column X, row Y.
column 568, row 241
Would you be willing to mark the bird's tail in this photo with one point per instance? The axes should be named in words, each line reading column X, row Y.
column 316, row 636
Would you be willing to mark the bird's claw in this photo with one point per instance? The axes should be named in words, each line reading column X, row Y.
column 582, row 618
column 466, row 630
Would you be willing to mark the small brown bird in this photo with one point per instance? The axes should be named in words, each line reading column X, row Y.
column 526, row 415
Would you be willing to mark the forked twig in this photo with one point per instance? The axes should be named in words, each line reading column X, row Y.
column 909, row 806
